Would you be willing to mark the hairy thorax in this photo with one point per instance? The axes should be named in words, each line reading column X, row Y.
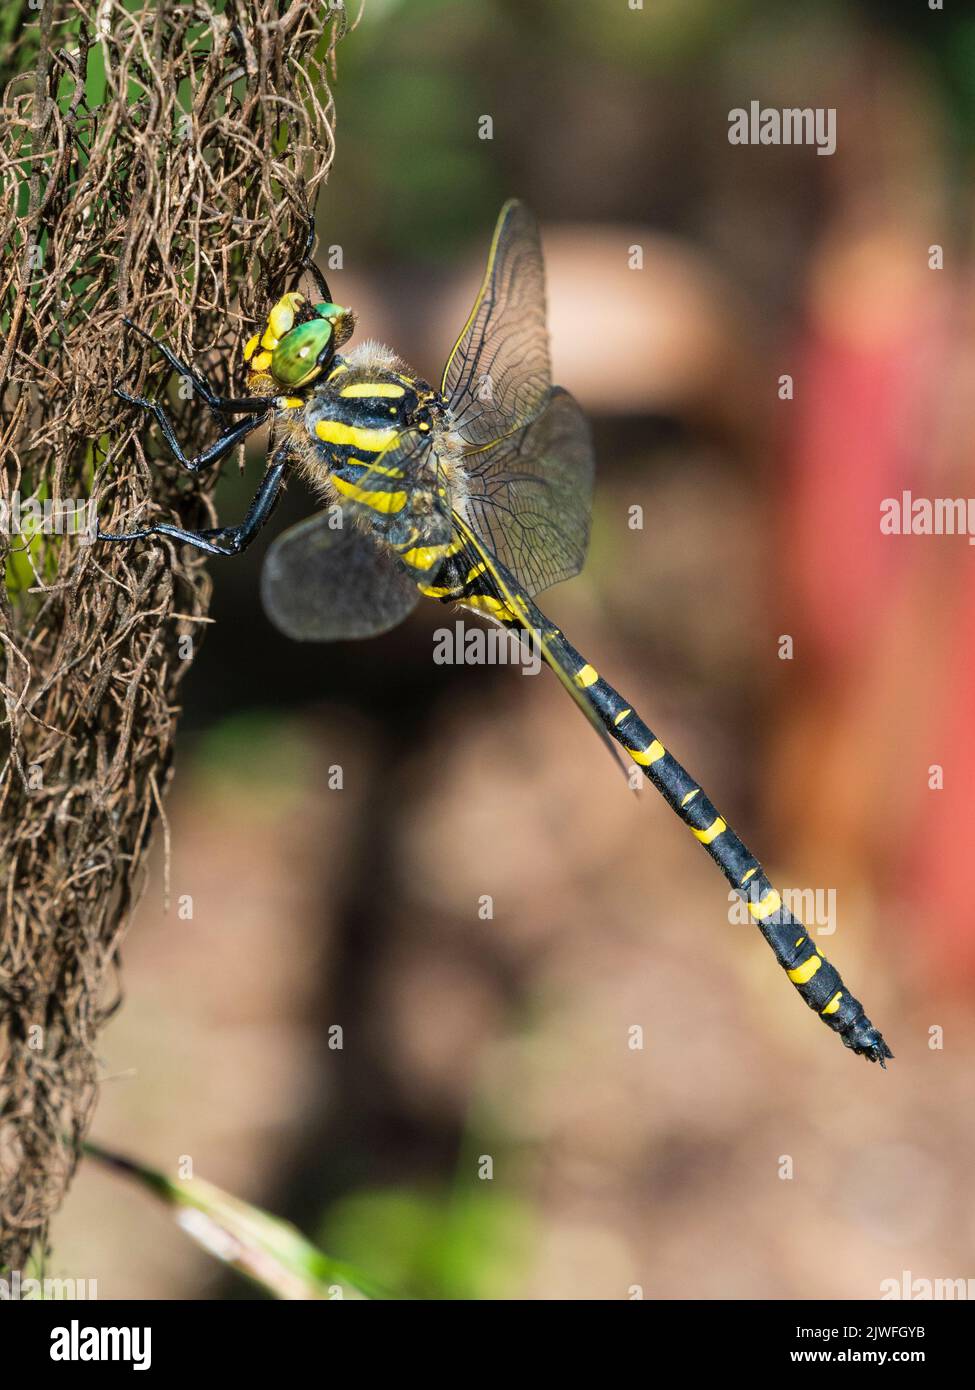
column 370, row 430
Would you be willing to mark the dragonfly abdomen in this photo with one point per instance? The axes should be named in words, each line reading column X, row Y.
column 815, row 979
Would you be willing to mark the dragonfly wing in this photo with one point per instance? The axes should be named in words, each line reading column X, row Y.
column 498, row 374
column 529, row 494
column 322, row 583
column 527, row 447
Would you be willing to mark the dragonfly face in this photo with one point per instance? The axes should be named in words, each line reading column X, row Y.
column 297, row 343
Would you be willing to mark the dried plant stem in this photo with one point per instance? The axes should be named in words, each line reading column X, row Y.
column 154, row 162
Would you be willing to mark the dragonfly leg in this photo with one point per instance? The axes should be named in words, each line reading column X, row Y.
column 220, row 405
column 229, row 436
column 308, row 264
column 221, row 540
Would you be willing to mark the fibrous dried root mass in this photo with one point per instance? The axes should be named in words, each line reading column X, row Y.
column 158, row 164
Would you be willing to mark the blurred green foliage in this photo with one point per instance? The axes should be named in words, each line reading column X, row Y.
column 459, row 1245
column 259, row 750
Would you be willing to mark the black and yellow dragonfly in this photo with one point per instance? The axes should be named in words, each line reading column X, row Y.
column 476, row 493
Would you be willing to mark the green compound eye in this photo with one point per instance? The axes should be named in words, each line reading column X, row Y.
column 341, row 319
column 295, row 360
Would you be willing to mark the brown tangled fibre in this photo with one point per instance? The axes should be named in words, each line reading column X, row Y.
column 155, row 162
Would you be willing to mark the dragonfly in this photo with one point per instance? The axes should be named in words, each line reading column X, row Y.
column 475, row 492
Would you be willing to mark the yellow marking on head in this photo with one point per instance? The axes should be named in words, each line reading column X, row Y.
column 834, row 1003
column 269, row 340
column 261, row 362
column 281, row 319
column 586, row 676
column 385, row 502
column 716, row 828
column 371, row 388
column 369, row 440
column 622, row 715
column 250, row 347
column 765, row 906
column 746, row 877
column 289, row 402
column 690, row 796
column 803, row 973
column 423, row 557
column 646, row 756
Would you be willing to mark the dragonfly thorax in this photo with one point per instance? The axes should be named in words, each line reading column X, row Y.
column 377, row 442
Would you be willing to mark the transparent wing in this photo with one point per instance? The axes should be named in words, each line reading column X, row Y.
column 529, row 494
column 528, row 451
column 321, row 584
column 498, row 374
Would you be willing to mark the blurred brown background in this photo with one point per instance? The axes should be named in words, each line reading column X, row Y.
column 313, row 907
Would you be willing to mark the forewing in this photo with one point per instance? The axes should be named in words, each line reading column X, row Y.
column 322, row 584
column 498, row 374
column 529, row 494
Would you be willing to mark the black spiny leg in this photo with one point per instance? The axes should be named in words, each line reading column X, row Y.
column 222, row 405
column 222, row 540
column 309, row 265
column 229, row 436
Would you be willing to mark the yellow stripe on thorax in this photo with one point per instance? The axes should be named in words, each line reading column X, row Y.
column 366, row 389
column 359, row 436
column 382, row 468
column 379, row 501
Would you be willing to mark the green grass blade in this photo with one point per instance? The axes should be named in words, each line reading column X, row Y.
column 268, row 1251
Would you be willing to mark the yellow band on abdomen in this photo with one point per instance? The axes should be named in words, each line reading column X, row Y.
column 586, row 676
column 765, row 906
column 423, row 557
column 646, row 756
column 716, row 828
column 803, row 973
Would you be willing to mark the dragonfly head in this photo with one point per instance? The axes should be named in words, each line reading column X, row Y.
column 297, row 343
